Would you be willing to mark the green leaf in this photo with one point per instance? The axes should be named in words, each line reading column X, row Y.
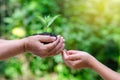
column 52, row 20
column 43, row 21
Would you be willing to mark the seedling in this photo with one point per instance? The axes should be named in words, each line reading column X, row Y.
column 46, row 23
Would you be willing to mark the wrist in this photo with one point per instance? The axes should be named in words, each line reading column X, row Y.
column 91, row 62
column 23, row 42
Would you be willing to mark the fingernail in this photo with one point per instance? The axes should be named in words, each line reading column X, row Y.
column 65, row 50
column 58, row 36
column 53, row 38
column 63, row 40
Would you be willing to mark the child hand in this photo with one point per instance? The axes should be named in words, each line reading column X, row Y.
column 76, row 59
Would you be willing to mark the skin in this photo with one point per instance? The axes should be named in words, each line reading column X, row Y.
column 33, row 44
column 79, row 59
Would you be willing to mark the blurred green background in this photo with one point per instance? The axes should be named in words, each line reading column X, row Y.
column 89, row 25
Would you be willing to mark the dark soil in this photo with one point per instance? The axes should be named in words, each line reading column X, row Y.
column 46, row 33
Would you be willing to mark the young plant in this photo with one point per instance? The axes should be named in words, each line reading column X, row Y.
column 47, row 21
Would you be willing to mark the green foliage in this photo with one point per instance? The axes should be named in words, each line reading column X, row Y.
column 89, row 25
column 47, row 21
column 13, row 68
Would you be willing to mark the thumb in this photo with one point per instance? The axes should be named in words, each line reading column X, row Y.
column 46, row 38
column 64, row 54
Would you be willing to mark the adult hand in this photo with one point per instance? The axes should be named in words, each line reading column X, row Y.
column 76, row 59
column 34, row 44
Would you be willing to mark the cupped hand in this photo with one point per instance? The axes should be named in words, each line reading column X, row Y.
column 34, row 45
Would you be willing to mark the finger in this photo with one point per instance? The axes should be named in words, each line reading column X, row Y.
column 74, row 57
column 52, row 45
column 65, row 56
column 58, row 51
column 69, row 64
column 61, row 49
column 63, row 53
column 46, row 38
column 72, row 52
column 63, row 39
column 58, row 48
